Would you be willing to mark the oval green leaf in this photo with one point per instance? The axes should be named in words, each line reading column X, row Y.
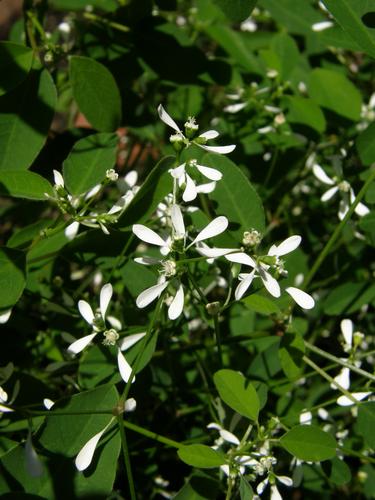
column 25, row 117
column 88, row 161
column 96, row 93
column 24, row 184
column 15, row 64
column 349, row 13
column 237, row 393
column 200, row 455
column 335, row 92
column 236, row 10
column 309, row 443
column 12, row 276
column 235, row 197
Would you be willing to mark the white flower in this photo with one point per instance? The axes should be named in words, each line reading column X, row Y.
column 98, row 321
column 275, row 494
column 345, row 190
column 190, row 125
column 84, row 457
column 4, row 399
column 176, row 241
column 305, row 417
column 191, row 189
column 261, row 266
column 248, row 25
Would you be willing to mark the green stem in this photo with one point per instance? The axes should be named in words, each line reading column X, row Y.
column 197, row 288
column 151, row 435
column 229, row 491
column 218, row 339
column 336, row 233
column 125, row 452
column 329, row 378
column 339, row 361
column 117, row 26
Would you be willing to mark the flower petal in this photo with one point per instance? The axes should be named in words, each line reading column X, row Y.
column 223, row 150
column 86, row 311
column 213, row 252
column 4, row 316
column 168, row 120
column 241, row 258
column 178, row 172
column 286, row 246
column 177, row 220
column 322, row 25
column 124, row 368
column 114, row 322
column 177, row 304
column 269, row 282
column 48, row 403
column 346, row 326
column 275, row 494
column 147, row 261
column 345, row 401
column 321, row 175
column 262, row 486
column 361, row 210
column 84, row 457
column 208, row 187
column 147, row 296
column 215, row 227
column 229, row 437
column 302, row 298
column 210, row 173
column 80, row 344
column 105, row 297
column 288, row 481
column 190, row 192
column 148, row 235
column 58, row 178
column 343, row 379
column 130, row 340
column 130, row 405
column 131, row 178
column 329, row 194
column 244, row 285
column 210, row 134
column 235, row 108
column 72, row 230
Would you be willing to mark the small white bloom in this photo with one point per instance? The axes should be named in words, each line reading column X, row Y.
column 322, row 25
column 85, row 456
column 192, row 126
column 4, row 316
column 358, row 396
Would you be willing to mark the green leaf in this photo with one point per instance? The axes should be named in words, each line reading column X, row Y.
column 287, row 52
column 96, row 93
column 199, row 487
column 234, row 43
column 237, row 393
column 15, row 64
column 335, row 92
column 306, row 111
column 309, row 443
column 297, row 17
column 260, row 304
column 348, row 297
column 154, row 189
column 66, row 435
column 246, row 491
column 291, row 351
column 349, row 14
column 25, row 117
column 25, row 235
column 12, row 276
column 236, row 10
column 24, row 184
column 86, row 165
column 200, row 455
column 235, row 197
column 337, row 471
column 366, row 423
column 365, row 143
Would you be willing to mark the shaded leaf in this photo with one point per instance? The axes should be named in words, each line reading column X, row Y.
column 309, row 443
column 24, row 184
column 200, row 455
